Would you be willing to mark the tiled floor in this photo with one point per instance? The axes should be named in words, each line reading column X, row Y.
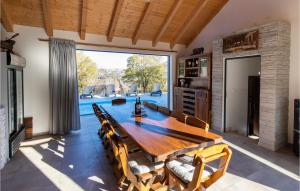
column 78, row 162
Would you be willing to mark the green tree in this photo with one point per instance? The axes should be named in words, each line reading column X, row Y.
column 145, row 71
column 86, row 70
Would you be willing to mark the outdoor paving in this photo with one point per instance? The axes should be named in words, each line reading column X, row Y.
column 78, row 162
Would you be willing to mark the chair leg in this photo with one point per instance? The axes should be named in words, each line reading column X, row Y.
column 130, row 188
column 121, row 181
column 149, row 183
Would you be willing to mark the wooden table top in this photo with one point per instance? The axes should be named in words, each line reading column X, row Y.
column 159, row 135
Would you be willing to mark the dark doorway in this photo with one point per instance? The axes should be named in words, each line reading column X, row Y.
column 253, row 105
column 241, row 95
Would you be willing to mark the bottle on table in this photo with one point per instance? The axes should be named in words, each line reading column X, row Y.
column 138, row 109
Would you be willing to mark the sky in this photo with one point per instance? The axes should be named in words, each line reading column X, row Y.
column 108, row 60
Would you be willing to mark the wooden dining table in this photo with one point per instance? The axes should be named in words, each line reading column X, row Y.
column 159, row 135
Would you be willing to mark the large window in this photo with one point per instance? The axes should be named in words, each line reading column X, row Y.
column 103, row 76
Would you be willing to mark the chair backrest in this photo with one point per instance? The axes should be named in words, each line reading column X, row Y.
column 194, row 121
column 95, row 107
column 219, row 152
column 146, row 103
column 179, row 116
column 120, row 151
column 164, row 110
column 118, row 101
column 150, row 105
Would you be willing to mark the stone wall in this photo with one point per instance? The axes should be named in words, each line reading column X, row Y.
column 3, row 137
column 274, row 49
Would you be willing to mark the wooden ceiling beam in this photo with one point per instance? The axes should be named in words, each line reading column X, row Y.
column 167, row 21
column 187, row 24
column 142, row 21
column 114, row 19
column 84, row 10
column 47, row 17
column 5, row 19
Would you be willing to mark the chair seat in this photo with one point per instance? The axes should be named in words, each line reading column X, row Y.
column 139, row 164
column 183, row 168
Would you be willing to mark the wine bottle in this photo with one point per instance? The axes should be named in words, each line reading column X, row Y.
column 138, row 106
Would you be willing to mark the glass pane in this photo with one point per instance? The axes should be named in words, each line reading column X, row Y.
column 204, row 64
column 103, row 76
column 19, row 92
column 181, row 70
column 11, row 101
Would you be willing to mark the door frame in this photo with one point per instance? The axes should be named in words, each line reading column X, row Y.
column 225, row 85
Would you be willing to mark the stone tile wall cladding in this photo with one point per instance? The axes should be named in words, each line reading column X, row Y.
column 274, row 49
column 3, row 138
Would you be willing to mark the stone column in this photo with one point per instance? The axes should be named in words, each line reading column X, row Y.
column 274, row 49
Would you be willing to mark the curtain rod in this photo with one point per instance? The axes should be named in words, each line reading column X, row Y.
column 115, row 46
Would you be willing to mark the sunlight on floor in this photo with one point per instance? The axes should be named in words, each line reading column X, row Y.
column 253, row 137
column 96, row 179
column 264, row 161
column 36, row 142
column 60, row 180
column 59, row 148
column 237, row 182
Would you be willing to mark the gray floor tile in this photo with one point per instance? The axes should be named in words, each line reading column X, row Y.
column 78, row 161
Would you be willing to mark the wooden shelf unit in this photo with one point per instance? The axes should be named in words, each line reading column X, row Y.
column 195, row 71
column 193, row 97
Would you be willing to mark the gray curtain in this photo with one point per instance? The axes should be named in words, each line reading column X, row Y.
column 64, row 108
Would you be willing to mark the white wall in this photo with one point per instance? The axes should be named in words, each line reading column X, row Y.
column 36, row 73
column 240, row 14
column 238, row 71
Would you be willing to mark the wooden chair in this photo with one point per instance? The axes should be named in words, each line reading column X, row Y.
column 118, row 101
column 194, row 121
column 95, row 107
column 163, row 110
column 150, row 105
column 179, row 116
column 135, row 167
column 101, row 117
column 111, row 130
column 194, row 173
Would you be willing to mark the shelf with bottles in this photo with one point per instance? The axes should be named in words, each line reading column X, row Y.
column 192, row 63
column 194, row 68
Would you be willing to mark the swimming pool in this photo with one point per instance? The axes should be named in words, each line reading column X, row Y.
column 85, row 108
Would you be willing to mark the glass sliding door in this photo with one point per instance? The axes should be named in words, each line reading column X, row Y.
column 19, row 96
column 103, row 76
column 11, row 101
column 15, row 100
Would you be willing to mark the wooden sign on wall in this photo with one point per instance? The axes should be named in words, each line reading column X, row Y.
column 241, row 42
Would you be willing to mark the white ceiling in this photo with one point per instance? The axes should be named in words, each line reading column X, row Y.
column 239, row 14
